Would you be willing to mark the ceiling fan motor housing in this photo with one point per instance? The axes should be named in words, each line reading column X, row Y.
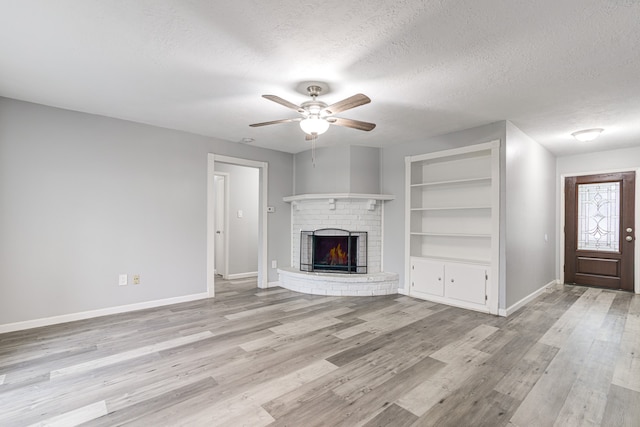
column 314, row 91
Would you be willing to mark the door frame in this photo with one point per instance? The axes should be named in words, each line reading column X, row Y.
column 561, row 234
column 225, row 236
column 263, row 174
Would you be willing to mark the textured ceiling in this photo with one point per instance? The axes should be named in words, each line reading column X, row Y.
column 430, row 67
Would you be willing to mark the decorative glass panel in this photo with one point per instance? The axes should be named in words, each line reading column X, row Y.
column 599, row 217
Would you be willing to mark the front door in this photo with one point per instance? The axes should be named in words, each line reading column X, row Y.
column 600, row 230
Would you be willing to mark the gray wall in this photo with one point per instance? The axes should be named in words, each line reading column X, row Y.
column 364, row 175
column 243, row 195
column 392, row 182
column 338, row 169
column 84, row 198
column 584, row 164
column 530, row 215
column 329, row 175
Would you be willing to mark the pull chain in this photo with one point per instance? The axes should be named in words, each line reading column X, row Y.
column 314, row 136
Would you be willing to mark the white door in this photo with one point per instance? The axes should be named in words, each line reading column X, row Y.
column 427, row 277
column 220, row 222
column 466, row 282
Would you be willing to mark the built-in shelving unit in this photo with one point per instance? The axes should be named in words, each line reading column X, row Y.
column 452, row 225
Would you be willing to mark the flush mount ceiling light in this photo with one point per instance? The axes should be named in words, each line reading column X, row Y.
column 587, row 134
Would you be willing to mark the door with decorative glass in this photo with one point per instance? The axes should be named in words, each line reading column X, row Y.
column 600, row 230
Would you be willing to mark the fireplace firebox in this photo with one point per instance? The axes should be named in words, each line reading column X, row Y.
column 333, row 250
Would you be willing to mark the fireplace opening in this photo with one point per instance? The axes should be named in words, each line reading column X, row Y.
column 333, row 250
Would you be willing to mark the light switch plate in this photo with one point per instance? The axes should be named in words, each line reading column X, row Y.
column 122, row 280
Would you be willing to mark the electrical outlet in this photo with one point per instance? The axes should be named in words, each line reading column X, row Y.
column 274, row 264
column 136, row 279
column 122, row 280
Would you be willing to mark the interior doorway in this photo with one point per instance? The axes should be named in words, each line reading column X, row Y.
column 600, row 230
column 241, row 220
column 262, row 167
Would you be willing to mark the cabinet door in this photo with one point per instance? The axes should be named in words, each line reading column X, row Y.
column 466, row 282
column 427, row 276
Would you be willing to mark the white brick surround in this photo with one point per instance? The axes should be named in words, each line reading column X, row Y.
column 337, row 284
column 357, row 212
column 347, row 214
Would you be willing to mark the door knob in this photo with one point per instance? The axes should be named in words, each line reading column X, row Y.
column 629, row 230
column 628, row 238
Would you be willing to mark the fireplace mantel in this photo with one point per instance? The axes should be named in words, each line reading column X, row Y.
column 299, row 197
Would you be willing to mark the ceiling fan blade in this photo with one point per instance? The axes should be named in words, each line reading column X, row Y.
column 274, row 122
column 284, row 103
column 347, row 104
column 355, row 124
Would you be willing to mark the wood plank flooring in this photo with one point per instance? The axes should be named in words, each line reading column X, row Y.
column 255, row 357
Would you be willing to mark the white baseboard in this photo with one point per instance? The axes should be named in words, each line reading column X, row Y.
column 47, row 321
column 273, row 284
column 242, row 275
column 525, row 300
column 403, row 291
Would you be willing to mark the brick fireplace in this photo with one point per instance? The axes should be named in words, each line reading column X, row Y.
column 362, row 213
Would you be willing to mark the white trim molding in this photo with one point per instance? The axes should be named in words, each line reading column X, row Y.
column 242, row 275
column 510, row 310
column 48, row 321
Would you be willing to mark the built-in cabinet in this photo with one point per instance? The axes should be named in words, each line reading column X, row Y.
column 452, row 226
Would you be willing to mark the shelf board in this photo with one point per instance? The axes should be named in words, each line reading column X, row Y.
column 449, row 208
column 455, row 181
column 478, row 235
column 458, row 260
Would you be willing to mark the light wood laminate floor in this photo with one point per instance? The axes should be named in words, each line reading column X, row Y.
column 275, row 357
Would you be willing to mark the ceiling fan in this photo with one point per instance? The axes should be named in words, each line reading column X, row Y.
column 317, row 115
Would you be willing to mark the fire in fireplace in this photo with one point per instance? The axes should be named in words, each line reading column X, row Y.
column 334, row 253
column 333, row 250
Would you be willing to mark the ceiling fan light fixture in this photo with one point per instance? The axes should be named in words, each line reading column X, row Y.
column 587, row 134
column 314, row 124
